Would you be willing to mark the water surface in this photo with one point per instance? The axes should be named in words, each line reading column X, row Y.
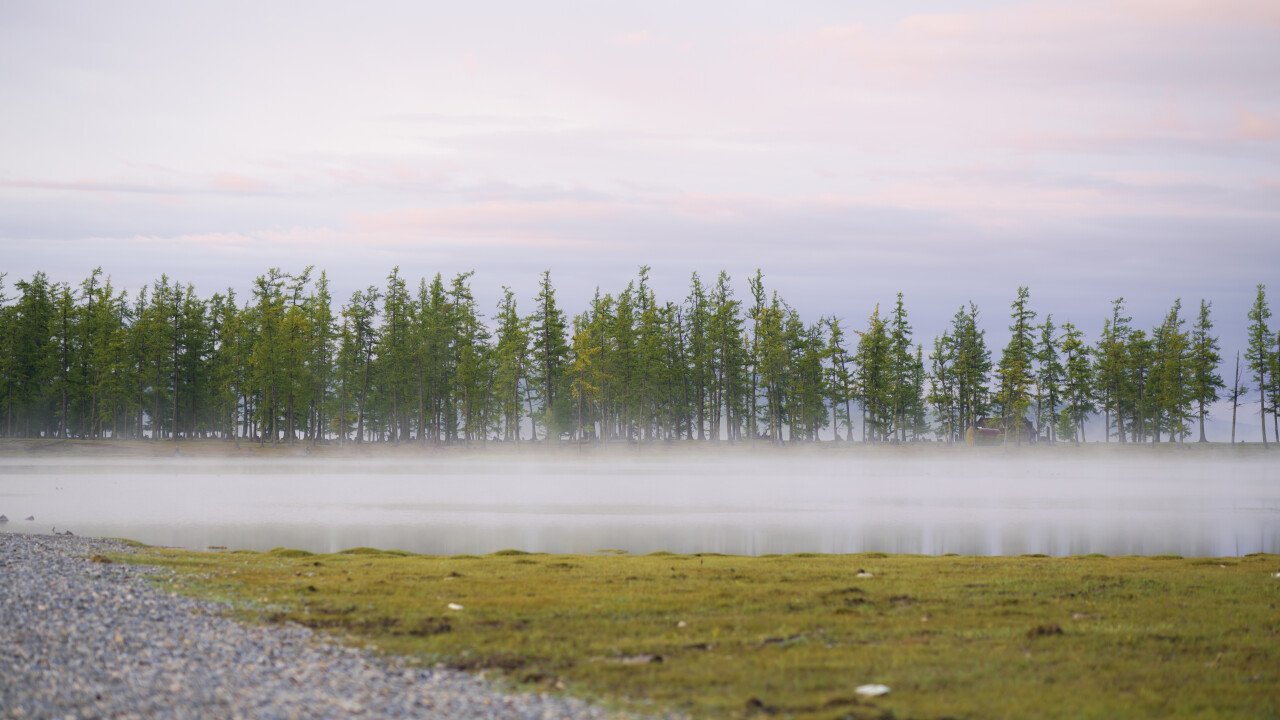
column 771, row 503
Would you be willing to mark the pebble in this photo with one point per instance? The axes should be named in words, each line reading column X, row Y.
column 83, row 639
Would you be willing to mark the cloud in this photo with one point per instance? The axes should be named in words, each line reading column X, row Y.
column 218, row 183
column 1254, row 126
column 635, row 38
column 471, row 122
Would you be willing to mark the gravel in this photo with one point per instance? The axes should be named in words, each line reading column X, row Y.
column 82, row 639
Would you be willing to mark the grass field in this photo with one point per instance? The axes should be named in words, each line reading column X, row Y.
column 793, row 636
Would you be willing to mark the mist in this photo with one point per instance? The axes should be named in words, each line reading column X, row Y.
column 931, row 500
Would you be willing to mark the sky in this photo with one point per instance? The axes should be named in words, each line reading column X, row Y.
column 851, row 150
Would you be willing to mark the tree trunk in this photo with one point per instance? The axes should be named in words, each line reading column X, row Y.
column 1202, row 437
column 1262, row 404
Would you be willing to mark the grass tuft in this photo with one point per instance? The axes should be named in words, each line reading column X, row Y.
column 289, row 552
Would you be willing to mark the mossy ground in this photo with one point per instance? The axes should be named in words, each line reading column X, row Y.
column 792, row 636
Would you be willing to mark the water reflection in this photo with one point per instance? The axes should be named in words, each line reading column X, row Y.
column 1005, row 507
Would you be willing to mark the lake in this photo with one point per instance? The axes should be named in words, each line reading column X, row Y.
column 1193, row 504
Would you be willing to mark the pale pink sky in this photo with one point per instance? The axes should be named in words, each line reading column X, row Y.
column 951, row 150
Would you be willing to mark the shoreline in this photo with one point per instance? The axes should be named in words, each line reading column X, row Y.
column 244, row 449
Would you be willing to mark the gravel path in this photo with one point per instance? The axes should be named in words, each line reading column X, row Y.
column 86, row 640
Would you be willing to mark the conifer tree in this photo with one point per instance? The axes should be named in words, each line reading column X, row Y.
column 510, row 361
column 471, row 362
column 773, row 363
column 267, row 360
column 1077, row 386
column 295, row 342
column 972, row 365
column 1014, row 372
column 1049, row 374
column 355, row 362
column 1258, row 352
column 394, row 358
column 1205, row 359
column 64, row 334
column 875, row 379
column 549, row 358
column 586, row 372
column 942, row 387
column 649, row 376
column 840, row 386
column 918, row 411
column 1171, row 377
column 1136, row 388
column 729, row 360
column 756, row 284
column 700, row 375
column 901, row 370
column 1110, row 369
column 433, row 358
column 321, row 357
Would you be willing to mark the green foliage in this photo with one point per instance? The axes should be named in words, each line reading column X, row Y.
column 395, row 365
column 1049, row 377
column 549, row 360
column 1260, row 355
column 1205, row 357
column 1015, row 372
column 1078, row 387
column 511, row 359
column 875, row 379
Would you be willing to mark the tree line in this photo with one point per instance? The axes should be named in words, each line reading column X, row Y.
column 425, row 364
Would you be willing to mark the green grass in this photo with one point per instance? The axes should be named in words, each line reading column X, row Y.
column 792, row 636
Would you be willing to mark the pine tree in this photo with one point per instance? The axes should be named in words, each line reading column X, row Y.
column 549, row 358
column 943, row 387
column 650, row 365
column 64, row 334
column 321, row 358
column 756, row 284
column 1258, row 353
column 1172, row 377
column 972, row 366
column 355, row 362
column 840, row 386
column 1205, row 358
column 1077, row 387
column 268, row 371
column 805, row 395
column 902, row 387
column 295, row 343
column 1237, row 391
column 510, row 361
column 1049, row 374
column 1110, row 369
column 1136, row 387
column 918, row 410
column 728, row 364
column 772, row 360
column 1014, row 372
column 699, row 378
column 875, row 379
column 433, row 358
column 586, row 374
column 472, row 363
column 394, row 358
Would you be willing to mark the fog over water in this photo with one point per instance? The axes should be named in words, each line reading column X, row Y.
column 1183, row 502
